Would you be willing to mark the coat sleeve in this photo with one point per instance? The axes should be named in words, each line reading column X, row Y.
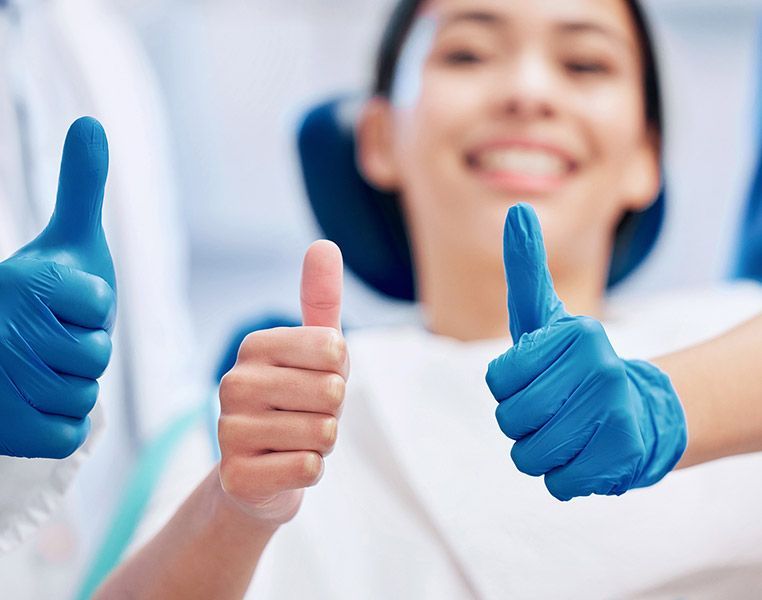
column 32, row 489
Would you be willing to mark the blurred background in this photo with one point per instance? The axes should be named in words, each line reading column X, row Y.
column 238, row 74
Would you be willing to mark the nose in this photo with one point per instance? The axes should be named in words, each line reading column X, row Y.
column 527, row 88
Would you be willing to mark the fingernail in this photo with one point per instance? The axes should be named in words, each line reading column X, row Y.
column 337, row 347
column 330, row 427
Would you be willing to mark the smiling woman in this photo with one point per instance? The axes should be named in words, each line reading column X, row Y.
column 502, row 101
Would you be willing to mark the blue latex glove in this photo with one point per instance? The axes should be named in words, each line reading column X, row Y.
column 589, row 421
column 57, row 311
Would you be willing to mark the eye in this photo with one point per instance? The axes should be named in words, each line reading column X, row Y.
column 463, row 57
column 586, row 67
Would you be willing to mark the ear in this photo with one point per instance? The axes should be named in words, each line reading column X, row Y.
column 374, row 145
column 642, row 179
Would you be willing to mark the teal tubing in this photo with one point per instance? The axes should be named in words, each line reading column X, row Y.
column 150, row 467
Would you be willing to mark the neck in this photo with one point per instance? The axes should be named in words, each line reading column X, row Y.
column 465, row 297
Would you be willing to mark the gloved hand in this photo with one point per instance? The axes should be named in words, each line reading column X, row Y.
column 57, row 311
column 589, row 421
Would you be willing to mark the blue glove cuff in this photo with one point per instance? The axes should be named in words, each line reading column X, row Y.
column 662, row 421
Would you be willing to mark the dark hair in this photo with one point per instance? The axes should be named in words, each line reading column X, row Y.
column 404, row 15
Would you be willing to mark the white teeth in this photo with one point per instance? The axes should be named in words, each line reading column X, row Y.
column 533, row 163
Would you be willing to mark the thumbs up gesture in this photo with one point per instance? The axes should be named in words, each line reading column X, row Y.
column 587, row 420
column 57, row 311
column 281, row 402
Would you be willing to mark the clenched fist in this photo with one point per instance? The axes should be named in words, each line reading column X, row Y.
column 281, row 403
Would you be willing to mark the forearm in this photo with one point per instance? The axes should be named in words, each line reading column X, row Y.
column 720, row 386
column 209, row 549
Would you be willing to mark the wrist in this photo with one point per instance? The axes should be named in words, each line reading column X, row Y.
column 662, row 421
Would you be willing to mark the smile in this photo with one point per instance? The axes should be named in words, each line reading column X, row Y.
column 520, row 169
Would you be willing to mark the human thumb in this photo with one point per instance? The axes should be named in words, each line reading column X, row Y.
column 74, row 236
column 532, row 300
column 322, row 283
column 84, row 167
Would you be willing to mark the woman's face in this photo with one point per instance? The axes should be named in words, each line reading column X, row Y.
column 501, row 101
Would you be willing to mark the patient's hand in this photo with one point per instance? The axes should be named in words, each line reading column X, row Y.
column 589, row 421
column 282, row 400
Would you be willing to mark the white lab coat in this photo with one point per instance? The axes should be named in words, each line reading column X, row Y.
column 420, row 499
column 68, row 58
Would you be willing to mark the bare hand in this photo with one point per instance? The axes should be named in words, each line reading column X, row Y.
column 281, row 402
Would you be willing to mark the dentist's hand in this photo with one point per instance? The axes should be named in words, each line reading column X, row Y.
column 57, row 311
column 587, row 420
column 282, row 400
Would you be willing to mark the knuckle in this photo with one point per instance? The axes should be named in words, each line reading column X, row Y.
column 506, row 422
column 565, row 485
column 103, row 295
column 558, row 488
column 87, row 397
column 309, row 468
column 523, row 461
column 334, row 347
column 102, row 348
column 493, row 375
column 228, row 386
column 239, row 435
column 611, row 370
column 254, row 345
column 54, row 269
column 341, row 348
column 587, row 327
column 335, row 389
column 249, row 345
column 327, row 433
column 69, row 439
column 225, row 434
column 240, row 382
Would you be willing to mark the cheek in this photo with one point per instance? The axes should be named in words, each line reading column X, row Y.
column 429, row 135
column 615, row 125
column 611, row 123
column 442, row 199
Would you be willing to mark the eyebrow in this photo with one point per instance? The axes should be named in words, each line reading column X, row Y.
column 472, row 16
column 582, row 27
column 570, row 27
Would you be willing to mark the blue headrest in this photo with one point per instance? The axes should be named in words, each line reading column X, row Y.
column 748, row 258
column 368, row 224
